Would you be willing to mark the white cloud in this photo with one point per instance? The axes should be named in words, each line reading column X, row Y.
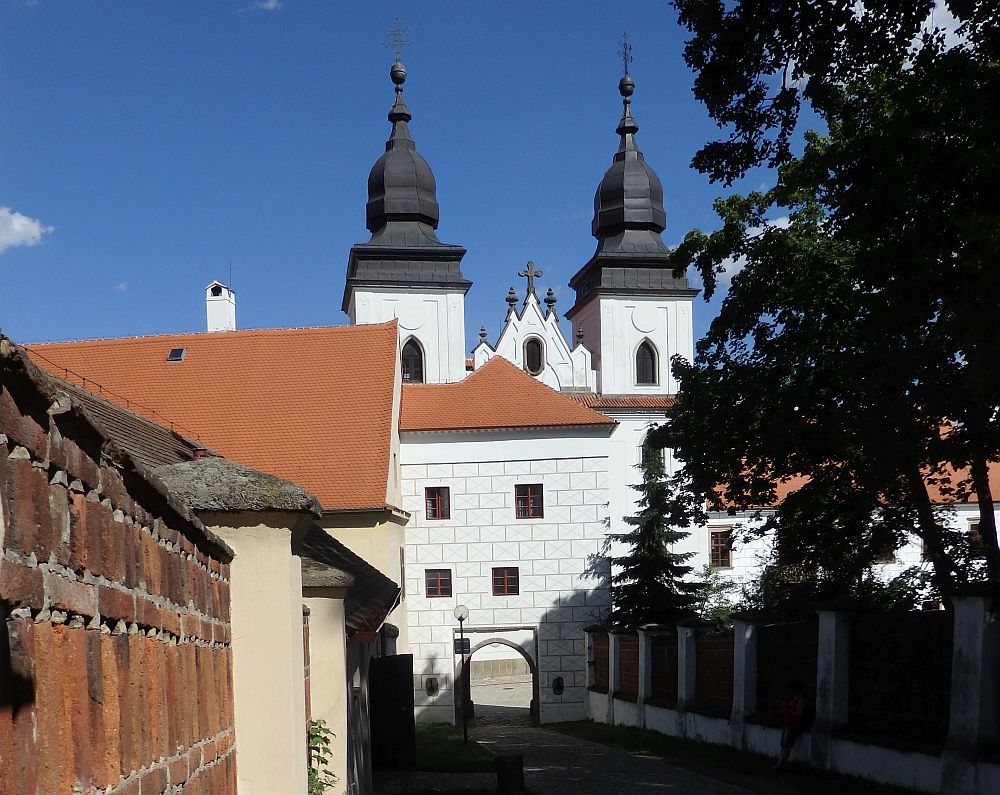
column 724, row 280
column 121, row 287
column 263, row 5
column 20, row 230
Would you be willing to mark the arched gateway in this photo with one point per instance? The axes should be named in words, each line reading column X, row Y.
column 463, row 669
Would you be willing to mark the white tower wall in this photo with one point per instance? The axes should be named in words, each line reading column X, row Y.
column 622, row 323
column 436, row 319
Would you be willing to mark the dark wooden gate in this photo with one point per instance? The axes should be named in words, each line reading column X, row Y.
column 390, row 688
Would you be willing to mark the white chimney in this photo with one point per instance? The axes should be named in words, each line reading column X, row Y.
column 220, row 304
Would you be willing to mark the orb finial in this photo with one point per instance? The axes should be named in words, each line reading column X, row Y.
column 511, row 297
column 398, row 75
column 482, row 334
column 550, row 301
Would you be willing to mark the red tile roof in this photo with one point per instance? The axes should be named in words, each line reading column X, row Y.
column 496, row 396
column 311, row 405
column 937, row 487
column 624, row 402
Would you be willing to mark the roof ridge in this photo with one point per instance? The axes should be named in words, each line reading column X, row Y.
column 542, row 406
column 215, row 334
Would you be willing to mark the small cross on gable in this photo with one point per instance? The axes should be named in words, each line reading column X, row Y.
column 530, row 273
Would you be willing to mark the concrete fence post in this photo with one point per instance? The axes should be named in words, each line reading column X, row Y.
column 614, row 680
column 645, row 676
column 745, row 634
column 832, row 677
column 686, row 664
column 974, row 692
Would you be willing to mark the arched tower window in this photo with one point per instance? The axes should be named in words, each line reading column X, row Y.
column 645, row 363
column 534, row 355
column 412, row 362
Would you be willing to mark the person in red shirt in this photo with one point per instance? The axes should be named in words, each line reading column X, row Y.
column 792, row 722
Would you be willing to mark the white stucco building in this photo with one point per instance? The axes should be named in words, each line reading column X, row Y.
column 509, row 511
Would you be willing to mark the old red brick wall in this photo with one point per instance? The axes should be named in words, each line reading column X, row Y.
column 115, row 659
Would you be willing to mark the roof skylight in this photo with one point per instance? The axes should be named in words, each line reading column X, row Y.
column 176, row 354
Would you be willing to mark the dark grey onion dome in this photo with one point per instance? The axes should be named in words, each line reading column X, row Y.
column 402, row 213
column 401, row 186
column 631, row 258
column 630, row 196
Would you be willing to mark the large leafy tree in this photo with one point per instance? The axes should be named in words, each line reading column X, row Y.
column 857, row 347
column 649, row 580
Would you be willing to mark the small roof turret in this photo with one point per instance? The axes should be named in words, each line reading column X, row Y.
column 630, row 195
column 631, row 258
column 402, row 213
column 401, row 185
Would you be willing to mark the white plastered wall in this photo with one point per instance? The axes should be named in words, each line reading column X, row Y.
column 563, row 368
column 557, row 595
column 614, row 327
column 328, row 670
column 266, row 614
column 748, row 556
column 436, row 319
column 380, row 541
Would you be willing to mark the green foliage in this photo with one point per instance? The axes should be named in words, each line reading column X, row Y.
column 794, row 592
column 717, row 598
column 320, row 738
column 851, row 373
column 648, row 584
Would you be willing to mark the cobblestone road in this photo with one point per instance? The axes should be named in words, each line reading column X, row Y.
column 555, row 764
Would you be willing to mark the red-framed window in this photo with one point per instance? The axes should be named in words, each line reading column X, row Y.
column 722, row 549
column 528, row 501
column 437, row 582
column 506, row 581
column 438, row 502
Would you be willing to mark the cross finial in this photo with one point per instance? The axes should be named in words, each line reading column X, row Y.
column 397, row 37
column 625, row 52
column 530, row 273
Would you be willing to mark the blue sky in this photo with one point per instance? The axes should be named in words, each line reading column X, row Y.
column 145, row 146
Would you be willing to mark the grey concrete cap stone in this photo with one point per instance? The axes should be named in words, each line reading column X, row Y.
column 217, row 484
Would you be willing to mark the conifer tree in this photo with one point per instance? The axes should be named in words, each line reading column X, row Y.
column 648, row 583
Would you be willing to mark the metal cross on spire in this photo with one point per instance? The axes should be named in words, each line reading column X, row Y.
column 625, row 52
column 530, row 273
column 397, row 37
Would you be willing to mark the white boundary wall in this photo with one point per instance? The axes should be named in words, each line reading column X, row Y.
column 974, row 721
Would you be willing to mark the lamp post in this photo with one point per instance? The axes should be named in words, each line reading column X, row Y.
column 462, row 613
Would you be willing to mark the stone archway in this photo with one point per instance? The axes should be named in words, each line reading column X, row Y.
column 463, row 675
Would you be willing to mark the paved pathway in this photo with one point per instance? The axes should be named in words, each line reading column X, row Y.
column 555, row 764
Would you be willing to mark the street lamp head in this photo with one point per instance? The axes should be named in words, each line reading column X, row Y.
column 461, row 612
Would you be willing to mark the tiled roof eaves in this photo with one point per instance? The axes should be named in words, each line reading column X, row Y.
column 609, row 425
column 383, row 508
column 624, row 402
column 371, row 597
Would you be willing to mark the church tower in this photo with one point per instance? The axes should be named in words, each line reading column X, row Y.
column 404, row 272
column 633, row 314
